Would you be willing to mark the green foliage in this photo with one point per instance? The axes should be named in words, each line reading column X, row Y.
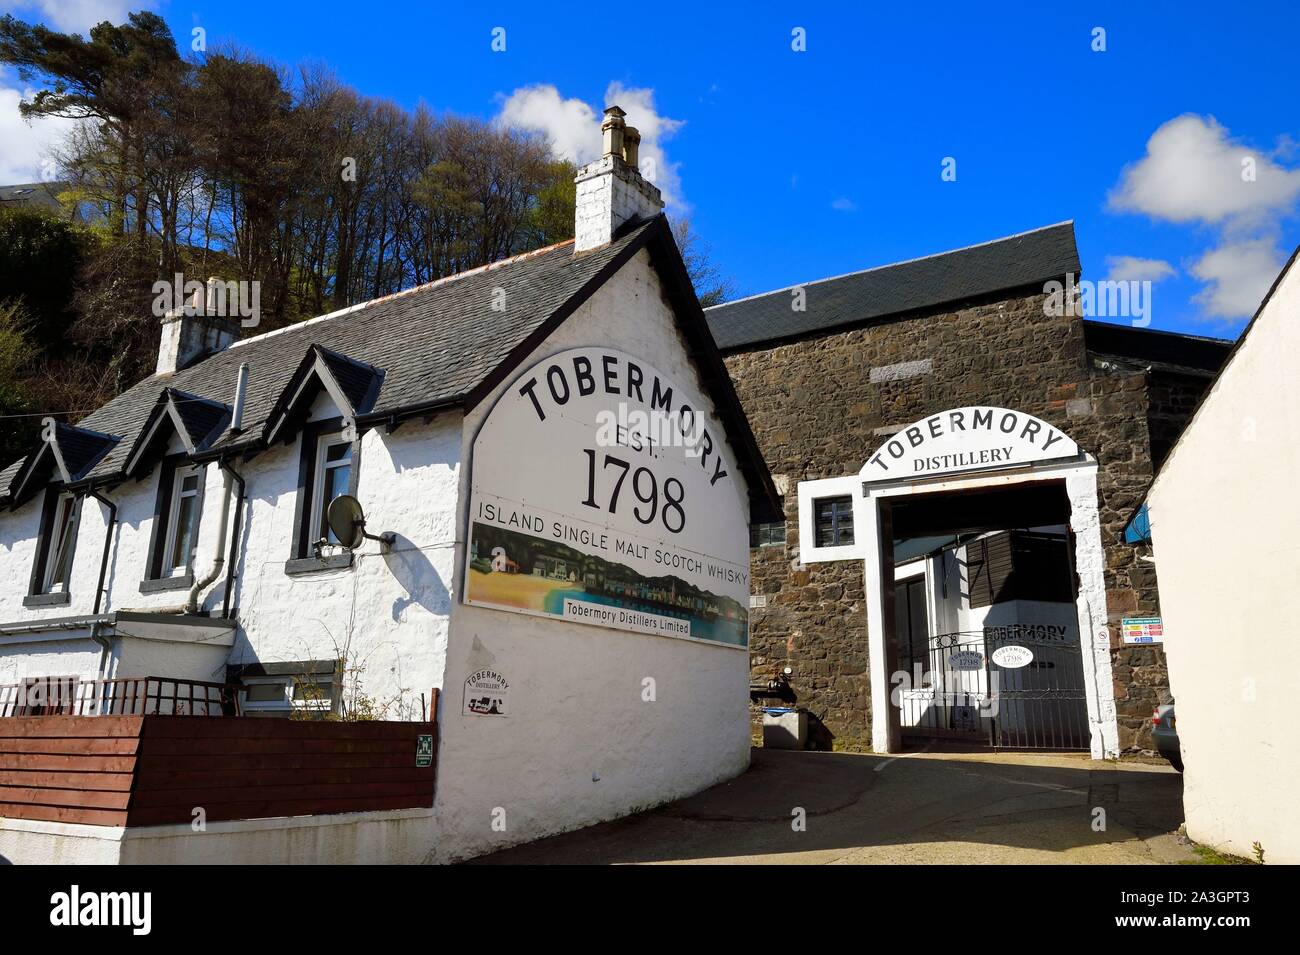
column 16, row 355
column 39, row 259
column 229, row 165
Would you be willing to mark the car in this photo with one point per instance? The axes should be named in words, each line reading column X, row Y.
column 1164, row 732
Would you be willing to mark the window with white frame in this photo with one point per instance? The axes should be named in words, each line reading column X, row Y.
column 332, row 478
column 286, row 695
column 56, row 576
column 182, row 521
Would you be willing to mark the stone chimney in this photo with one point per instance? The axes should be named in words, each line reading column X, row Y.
column 611, row 190
column 196, row 330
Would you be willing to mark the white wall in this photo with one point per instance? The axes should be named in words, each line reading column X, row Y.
column 387, row 613
column 579, row 744
column 1225, row 524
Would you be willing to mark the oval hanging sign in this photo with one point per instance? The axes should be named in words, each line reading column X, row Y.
column 966, row 660
column 1012, row 657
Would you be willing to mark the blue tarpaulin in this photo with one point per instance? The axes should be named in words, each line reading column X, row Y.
column 1139, row 528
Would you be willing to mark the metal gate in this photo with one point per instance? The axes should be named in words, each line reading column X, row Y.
column 966, row 686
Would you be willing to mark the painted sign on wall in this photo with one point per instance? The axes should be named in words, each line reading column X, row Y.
column 1143, row 630
column 486, row 693
column 603, row 492
column 967, row 439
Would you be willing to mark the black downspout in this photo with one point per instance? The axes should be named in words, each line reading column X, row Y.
column 108, row 541
column 234, row 539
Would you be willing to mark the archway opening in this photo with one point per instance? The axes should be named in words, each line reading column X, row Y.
column 983, row 625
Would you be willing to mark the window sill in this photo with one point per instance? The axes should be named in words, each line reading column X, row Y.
column 166, row 583
column 311, row 565
column 47, row 600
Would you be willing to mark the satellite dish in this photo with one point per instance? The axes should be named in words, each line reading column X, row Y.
column 347, row 521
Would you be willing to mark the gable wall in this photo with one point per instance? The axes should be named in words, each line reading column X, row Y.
column 580, row 745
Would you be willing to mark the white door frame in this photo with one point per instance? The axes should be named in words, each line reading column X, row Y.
column 1080, row 477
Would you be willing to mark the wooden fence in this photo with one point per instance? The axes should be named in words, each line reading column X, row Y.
column 152, row 770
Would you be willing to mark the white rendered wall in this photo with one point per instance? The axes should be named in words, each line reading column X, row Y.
column 386, row 613
column 1225, row 525
column 579, row 744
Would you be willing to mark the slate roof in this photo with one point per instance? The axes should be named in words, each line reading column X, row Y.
column 41, row 195
column 1170, row 351
column 1027, row 259
column 438, row 345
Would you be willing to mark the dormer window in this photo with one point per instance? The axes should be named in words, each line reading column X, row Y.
column 333, row 477
column 183, row 522
column 178, row 513
column 56, row 544
column 327, row 468
column 57, row 577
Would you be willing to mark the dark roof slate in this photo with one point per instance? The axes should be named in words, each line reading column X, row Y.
column 434, row 346
column 434, row 342
column 1167, row 350
column 1030, row 258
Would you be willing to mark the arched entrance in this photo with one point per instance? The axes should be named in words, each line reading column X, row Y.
column 1006, row 650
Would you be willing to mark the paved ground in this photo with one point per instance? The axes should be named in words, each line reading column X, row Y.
column 918, row 808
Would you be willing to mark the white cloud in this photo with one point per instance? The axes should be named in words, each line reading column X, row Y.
column 1195, row 173
column 572, row 127
column 567, row 124
column 1192, row 172
column 78, row 16
column 1237, row 275
column 1130, row 268
column 843, row 204
column 27, row 145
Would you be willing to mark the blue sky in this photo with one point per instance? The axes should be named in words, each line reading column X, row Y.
column 799, row 165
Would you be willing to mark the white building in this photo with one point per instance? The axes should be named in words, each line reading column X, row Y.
column 572, row 581
column 1225, row 531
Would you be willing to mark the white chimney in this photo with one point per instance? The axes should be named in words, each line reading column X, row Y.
column 194, row 331
column 611, row 190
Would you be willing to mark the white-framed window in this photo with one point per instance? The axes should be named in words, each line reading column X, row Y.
column 332, row 478
column 182, row 521
column 285, row 695
column 56, row 576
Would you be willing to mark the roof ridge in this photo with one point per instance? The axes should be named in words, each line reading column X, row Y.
column 890, row 265
column 445, row 280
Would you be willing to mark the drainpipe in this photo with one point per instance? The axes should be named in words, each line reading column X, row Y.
column 108, row 541
column 234, row 539
column 218, row 558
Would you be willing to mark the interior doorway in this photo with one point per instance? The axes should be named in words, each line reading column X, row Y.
column 984, row 631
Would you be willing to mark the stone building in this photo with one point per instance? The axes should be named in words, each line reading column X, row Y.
column 830, row 370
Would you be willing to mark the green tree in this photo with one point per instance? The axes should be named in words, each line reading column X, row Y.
column 712, row 287
column 16, row 356
column 39, row 259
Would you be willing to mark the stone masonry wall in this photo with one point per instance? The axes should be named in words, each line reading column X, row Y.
column 820, row 406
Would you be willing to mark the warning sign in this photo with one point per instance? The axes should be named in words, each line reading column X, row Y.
column 1143, row 630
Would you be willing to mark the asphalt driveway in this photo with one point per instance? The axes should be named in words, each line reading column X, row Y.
column 921, row 807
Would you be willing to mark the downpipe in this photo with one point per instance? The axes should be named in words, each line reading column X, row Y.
column 219, row 555
column 233, row 562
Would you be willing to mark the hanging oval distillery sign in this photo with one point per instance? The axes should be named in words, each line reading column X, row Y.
column 966, row 660
column 604, row 492
column 967, row 439
column 1012, row 657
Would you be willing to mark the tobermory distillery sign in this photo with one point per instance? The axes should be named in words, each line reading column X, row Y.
column 967, row 439
column 604, row 493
